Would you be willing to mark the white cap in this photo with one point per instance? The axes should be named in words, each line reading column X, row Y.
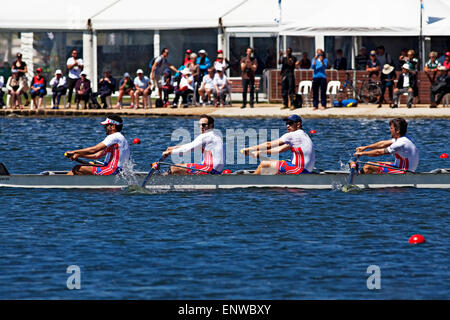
column 202, row 51
column 83, row 73
column 139, row 71
column 219, row 68
column 58, row 71
column 405, row 66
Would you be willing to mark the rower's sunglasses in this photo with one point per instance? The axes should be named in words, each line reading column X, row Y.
column 290, row 123
column 203, row 125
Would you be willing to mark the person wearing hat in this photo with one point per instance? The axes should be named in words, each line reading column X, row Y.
column 22, row 70
column 75, row 66
column 221, row 61
column 221, row 87
column 446, row 62
column 441, row 87
column 185, row 87
column 207, row 87
column 83, row 90
column 387, row 78
column 431, row 67
column 143, row 88
column 373, row 66
column 59, row 87
column 38, row 88
column 14, row 85
column 295, row 140
column 204, row 63
column 187, row 56
column 126, row 87
column 407, row 83
column 115, row 147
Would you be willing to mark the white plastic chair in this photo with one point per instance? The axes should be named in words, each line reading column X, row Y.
column 332, row 89
column 304, row 89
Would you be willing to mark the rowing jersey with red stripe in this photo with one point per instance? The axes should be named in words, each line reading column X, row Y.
column 303, row 156
column 212, row 150
column 117, row 153
column 405, row 152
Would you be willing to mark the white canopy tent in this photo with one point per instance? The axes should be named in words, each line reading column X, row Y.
column 436, row 18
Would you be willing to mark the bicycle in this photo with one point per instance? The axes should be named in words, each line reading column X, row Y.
column 369, row 92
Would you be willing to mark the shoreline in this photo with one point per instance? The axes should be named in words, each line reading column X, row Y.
column 259, row 111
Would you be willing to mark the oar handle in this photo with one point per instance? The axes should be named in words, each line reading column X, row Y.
column 94, row 163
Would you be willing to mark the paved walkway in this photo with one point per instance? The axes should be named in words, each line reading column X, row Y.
column 260, row 110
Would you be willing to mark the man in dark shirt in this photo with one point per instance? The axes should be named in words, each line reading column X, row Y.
column 373, row 65
column 304, row 62
column 249, row 64
column 287, row 77
column 341, row 62
column 441, row 87
column 106, row 87
column 361, row 59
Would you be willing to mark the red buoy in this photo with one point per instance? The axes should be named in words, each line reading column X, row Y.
column 226, row 171
column 416, row 239
column 444, row 156
column 136, row 141
column 312, row 131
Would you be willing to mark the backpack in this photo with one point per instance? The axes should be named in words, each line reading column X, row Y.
column 159, row 103
column 150, row 65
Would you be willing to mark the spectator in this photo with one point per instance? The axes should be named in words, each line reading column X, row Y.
column 22, row 70
column 431, row 67
column 161, row 64
column 288, row 64
column 59, row 87
column 5, row 71
column 361, row 59
column 441, row 87
column 446, row 62
column 373, row 65
column 304, row 62
column 248, row 67
column 341, row 62
column 38, row 88
column 383, row 57
column 142, row 86
column 2, row 82
column 14, row 86
column 412, row 61
column 406, row 84
column 185, row 87
column 187, row 56
column 221, row 87
column 83, row 90
column 194, row 68
column 167, row 87
column 126, row 87
column 106, row 87
column 204, row 63
column 402, row 58
column 387, row 78
column 75, row 67
column 220, row 61
column 207, row 87
column 319, row 82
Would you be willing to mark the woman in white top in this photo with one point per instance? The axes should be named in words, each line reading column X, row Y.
column 220, row 86
column 207, row 87
column 59, row 87
column 185, row 88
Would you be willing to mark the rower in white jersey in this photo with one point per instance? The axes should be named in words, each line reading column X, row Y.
column 404, row 150
column 115, row 147
column 212, row 151
column 297, row 141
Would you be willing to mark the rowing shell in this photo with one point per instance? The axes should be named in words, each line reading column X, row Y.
column 439, row 178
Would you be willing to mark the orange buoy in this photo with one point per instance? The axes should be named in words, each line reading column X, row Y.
column 416, row 239
column 312, row 131
column 136, row 141
column 444, row 156
column 226, row 171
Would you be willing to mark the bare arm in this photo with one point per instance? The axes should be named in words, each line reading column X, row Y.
column 91, row 151
column 263, row 146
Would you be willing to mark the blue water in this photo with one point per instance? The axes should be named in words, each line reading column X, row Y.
column 225, row 244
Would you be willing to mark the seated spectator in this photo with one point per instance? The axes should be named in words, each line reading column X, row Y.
column 83, row 90
column 2, row 82
column 126, row 87
column 38, row 88
column 373, row 65
column 361, row 59
column 15, row 86
column 207, row 87
column 185, row 87
column 220, row 61
column 387, row 78
column 204, row 63
column 341, row 62
column 402, row 58
column 441, row 87
column 407, row 83
column 106, row 88
column 187, row 56
column 412, row 61
column 143, row 88
column 446, row 62
column 193, row 66
column 167, row 87
column 383, row 57
column 304, row 62
column 221, row 87
column 59, row 87
column 431, row 67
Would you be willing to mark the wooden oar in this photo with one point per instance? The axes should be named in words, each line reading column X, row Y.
column 385, row 166
column 93, row 163
column 149, row 174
